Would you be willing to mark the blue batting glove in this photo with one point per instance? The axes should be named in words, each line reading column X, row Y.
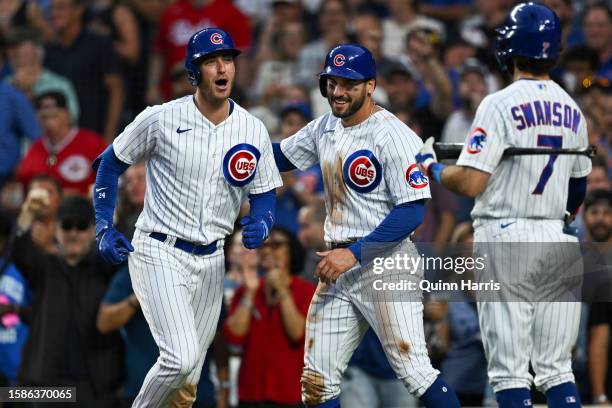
column 113, row 246
column 428, row 161
column 255, row 231
column 569, row 230
column 567, row 227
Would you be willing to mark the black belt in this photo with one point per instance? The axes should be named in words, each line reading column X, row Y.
column 336, row 245
column 187, row 246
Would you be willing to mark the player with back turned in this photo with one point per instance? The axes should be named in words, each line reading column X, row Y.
column 374, row 194
column 204, row 155
column 524, row 199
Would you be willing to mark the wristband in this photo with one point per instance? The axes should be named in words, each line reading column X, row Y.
column 435, row 171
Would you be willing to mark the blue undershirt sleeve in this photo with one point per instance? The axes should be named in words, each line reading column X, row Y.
column 108, row 169
column 397, row 225
column 282, row 162
column 576, row 193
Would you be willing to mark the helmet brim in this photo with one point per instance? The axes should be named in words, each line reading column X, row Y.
column 201, row 55
column 343, row 73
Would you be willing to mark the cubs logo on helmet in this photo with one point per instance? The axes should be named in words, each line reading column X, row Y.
column 216, row 38
column 339, row 60
column 362, row 171
column 240, row 164
column 475, row 142
column 415, row 178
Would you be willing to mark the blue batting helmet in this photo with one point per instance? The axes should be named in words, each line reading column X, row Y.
column 350, row 61
column 531, row 31
column 203, row 43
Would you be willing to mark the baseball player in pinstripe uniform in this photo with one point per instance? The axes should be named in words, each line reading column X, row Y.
column 374, row 193
column 523, row 199
column 204, row 154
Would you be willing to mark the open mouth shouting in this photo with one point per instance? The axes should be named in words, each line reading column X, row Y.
column 222, row 84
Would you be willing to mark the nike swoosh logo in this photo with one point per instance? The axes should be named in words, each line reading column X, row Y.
column 100, row 189
column 179, row 130
column 507, row 225
column 328, row 131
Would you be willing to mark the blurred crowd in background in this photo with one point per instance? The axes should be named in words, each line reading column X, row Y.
column 73, row 73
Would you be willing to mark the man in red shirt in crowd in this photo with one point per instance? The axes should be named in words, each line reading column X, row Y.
column 64, row 152
column 268, row 319
column 177, row 23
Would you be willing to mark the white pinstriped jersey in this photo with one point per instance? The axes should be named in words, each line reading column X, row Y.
column 197, row 173
column 527, row 113
column 367, row 169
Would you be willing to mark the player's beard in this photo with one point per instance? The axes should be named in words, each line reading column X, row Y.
column 352, row 105
column 600, row 233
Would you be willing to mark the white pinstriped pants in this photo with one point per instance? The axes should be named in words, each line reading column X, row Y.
column 537, row 319
column 180, row 295
column 338, row 317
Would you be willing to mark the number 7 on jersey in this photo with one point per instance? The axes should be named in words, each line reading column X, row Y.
column 553, row 142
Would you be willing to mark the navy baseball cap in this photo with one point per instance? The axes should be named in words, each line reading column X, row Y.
column 300, row 107
column 472, row 65
column 77, row 209
column 20, row 35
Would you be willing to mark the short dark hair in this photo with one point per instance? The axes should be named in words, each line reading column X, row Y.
column 599, row 5
column 582, row 53
column 296, row 250
column 58, row 97
column 367, row 11
column 79, row 3
column 76, row 208
column 534, row 66
column 598, row 196
column 345, row 6
column 48, row 178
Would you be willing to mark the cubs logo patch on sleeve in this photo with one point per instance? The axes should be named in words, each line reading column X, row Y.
column 240, row 164
column 475, row 142
column 415, row 178
column 362, row 171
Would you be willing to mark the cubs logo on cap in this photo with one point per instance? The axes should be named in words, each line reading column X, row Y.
column 362, row 171
column 216, row 38
column 475, row 142
column 339, row 60
column 240, row 164
column 415, row 178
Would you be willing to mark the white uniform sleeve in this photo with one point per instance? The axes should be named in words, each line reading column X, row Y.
column 267, row 176
column 301, row 149
column 484, row 146
column 138, row 138
column 403, row 178
column 582, row 164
